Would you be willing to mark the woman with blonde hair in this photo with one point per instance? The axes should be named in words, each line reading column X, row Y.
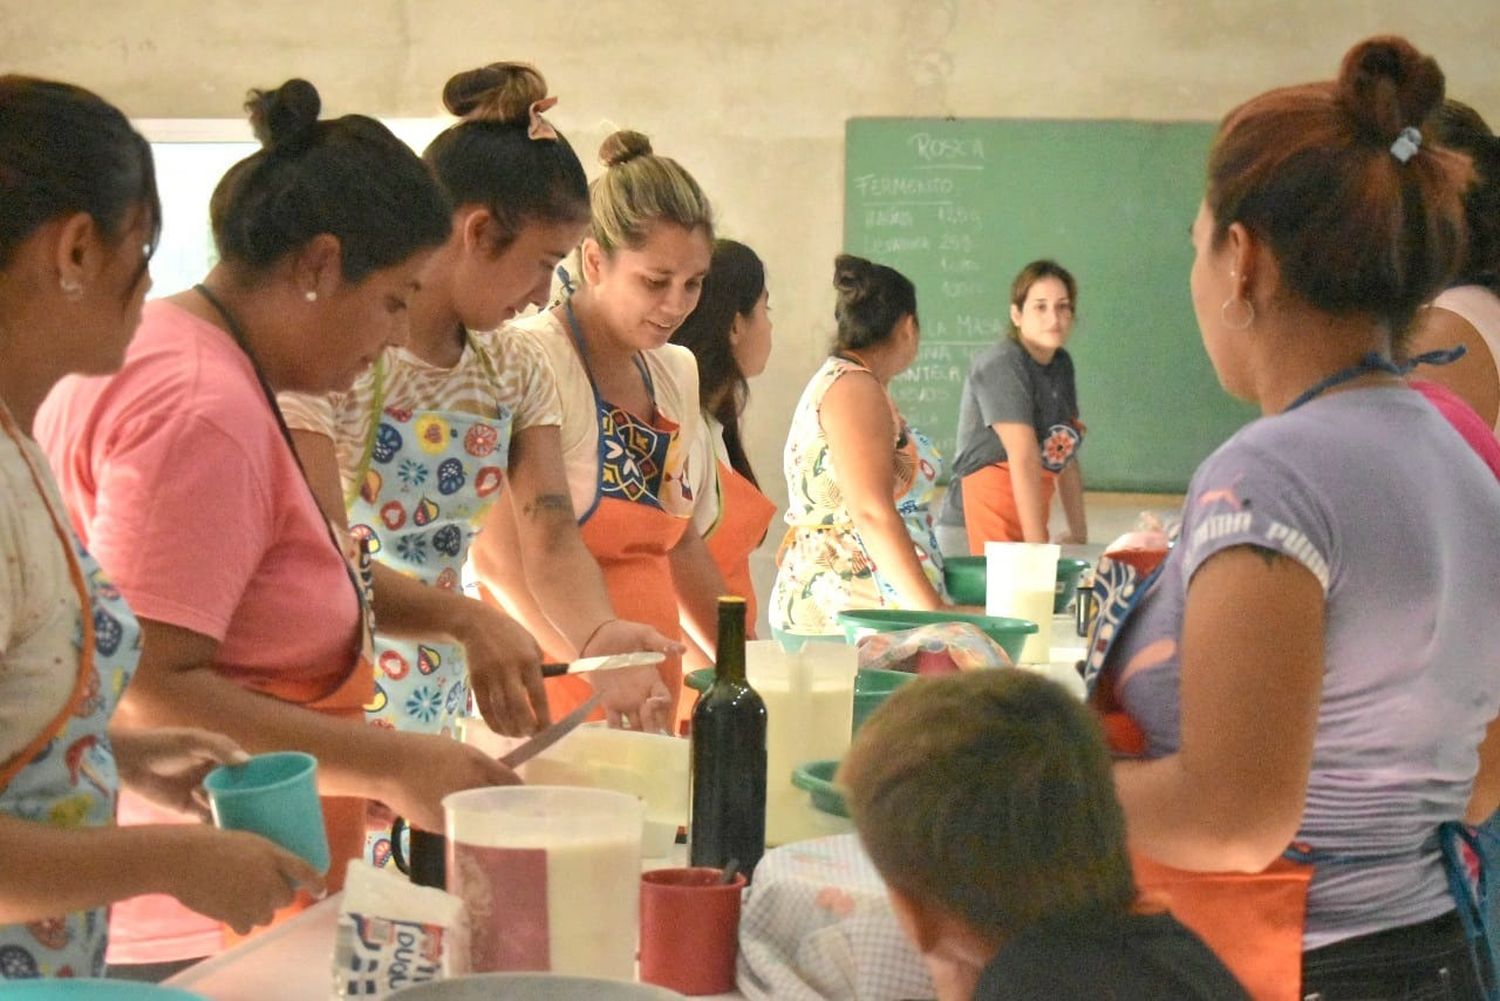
column 629, row 402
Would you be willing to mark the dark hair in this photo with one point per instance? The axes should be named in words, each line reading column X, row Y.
column 1462, row 128
column 735, row 282
column 872, row 300
column 1033, row 273
column 490, row 159
column 1310, row 170
column 989, row 794
column 64, row 149
column 639, row 189
column 348, row 177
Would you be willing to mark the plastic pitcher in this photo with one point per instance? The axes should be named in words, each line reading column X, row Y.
column 1021, row 582
column 549, row 877
column 650, row 766
column 809, row 696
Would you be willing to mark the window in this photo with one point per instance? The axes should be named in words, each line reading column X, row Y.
column 191, row 156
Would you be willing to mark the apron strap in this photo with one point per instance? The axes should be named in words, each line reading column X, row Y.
column 1473, row 900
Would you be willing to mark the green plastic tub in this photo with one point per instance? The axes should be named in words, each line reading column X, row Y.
column 1009, row 633
column 964, row 577
column 816, row 778
column 872, row 688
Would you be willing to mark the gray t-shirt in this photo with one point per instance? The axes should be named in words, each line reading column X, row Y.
column 1380, row 499
column 1007, row 385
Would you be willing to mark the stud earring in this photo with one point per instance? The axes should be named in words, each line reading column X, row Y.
column 71, row 289
column 310, row 295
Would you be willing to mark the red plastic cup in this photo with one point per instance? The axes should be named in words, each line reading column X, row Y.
column 690, row 925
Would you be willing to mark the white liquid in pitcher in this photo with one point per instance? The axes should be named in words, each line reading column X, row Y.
column 587, row 925
column 1033, row 605
column 809, row 726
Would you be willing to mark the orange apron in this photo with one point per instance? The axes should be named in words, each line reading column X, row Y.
column 1252, row 921
column 744, row 517
column 628, row 530
column 990, row 513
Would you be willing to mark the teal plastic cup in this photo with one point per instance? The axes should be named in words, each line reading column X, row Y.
column 276, row 796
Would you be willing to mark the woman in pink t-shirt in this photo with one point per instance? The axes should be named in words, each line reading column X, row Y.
column 180, row 475
column 80, row 222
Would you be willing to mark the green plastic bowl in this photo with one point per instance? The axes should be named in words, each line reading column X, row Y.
column 873, row 687
column 964, row 576
column 816, row 777
column 1009, row 633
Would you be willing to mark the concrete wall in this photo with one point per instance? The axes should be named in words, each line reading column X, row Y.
column 751, row 96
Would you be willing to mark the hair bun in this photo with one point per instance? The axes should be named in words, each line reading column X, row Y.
column 499, row 92
column 283, row 118
column 624, row 146
column 1387, row 85
column 852, row 277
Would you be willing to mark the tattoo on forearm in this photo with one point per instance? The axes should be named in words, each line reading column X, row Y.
column 545, row 505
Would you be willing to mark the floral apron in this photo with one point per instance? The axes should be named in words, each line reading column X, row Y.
column 627, row 529
column 1253, row 921
column 423, row 487
column 66, row 777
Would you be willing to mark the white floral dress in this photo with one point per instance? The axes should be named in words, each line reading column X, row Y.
column 824, row 567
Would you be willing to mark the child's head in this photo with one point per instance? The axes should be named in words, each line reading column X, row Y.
column 987, row 797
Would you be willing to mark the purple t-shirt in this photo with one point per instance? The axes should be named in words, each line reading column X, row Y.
column 1379, row 498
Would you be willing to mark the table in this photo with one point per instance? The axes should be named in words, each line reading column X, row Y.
column 258, row 969
column 294, row 961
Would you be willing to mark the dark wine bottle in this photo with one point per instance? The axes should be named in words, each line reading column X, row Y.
column 729, row 757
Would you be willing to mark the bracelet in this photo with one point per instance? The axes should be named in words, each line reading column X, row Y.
column 583, row 650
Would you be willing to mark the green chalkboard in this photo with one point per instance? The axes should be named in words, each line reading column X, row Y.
column 959, row 206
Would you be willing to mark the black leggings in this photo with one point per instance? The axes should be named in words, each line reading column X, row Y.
column 1422, row 962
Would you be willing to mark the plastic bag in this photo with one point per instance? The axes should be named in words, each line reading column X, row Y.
column 940, row 648
column 392, row 934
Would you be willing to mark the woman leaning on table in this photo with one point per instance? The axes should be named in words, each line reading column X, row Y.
column 180, row 475
column 1018, row 426
column 80, row 222
column 1304, row 693
column 629, row 414
column 859, row 478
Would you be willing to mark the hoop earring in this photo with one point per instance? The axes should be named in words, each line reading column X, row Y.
column 1249, row 313
column 71, row 289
